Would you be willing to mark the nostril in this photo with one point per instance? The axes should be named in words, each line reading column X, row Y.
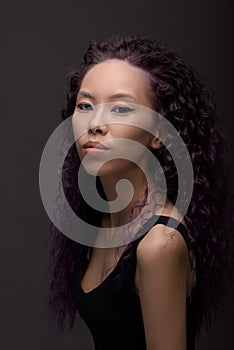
column 96, row 129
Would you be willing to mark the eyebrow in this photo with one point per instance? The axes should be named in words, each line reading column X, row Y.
column 112, row 97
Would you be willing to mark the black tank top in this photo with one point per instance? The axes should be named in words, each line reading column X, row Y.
column 112, row 310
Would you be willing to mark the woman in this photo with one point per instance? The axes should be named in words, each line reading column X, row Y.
column 158, row 289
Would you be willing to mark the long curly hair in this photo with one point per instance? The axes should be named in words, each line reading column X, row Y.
column 183, row 99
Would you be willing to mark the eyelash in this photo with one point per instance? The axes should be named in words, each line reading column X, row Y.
column 83, row 104
column 87, row 104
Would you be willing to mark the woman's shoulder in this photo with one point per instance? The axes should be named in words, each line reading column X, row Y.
column 162, row 249
column 159, row 236
column 158, row 241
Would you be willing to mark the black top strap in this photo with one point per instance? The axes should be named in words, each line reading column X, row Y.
column 162, row 219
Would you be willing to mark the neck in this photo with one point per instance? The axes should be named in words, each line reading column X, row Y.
column 140, row 185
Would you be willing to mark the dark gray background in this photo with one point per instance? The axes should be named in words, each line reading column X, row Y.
column 41, row 43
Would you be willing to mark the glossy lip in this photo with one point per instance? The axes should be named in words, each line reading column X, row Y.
column 95, row 147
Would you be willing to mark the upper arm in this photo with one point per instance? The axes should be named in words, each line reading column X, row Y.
column 162, row 266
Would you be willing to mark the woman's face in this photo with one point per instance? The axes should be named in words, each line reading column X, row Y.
column 113, row 100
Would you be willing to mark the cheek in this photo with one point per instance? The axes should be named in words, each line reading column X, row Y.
column 131, row 132
column 79, row 143
column 79, row 126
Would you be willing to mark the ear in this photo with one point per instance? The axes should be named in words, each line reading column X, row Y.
column 156, row 143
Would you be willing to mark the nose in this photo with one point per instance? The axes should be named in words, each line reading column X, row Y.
column 97, row 124
column 98, row 129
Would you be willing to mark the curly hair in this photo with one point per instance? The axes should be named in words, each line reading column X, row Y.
column 184, row 100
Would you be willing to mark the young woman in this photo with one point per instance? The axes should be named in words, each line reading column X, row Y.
column 156, row 290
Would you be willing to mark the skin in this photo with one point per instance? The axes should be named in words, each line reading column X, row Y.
column 103, row 81
column 163, row 272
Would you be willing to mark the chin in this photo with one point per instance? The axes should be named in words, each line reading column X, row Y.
column 108, row 168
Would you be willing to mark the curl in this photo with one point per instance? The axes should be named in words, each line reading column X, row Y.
column 182, row 98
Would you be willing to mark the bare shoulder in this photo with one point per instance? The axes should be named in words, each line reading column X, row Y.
column 162, row 285
column 159, row 244
column 160, row 252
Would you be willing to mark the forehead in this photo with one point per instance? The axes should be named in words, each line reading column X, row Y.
column 111, row 76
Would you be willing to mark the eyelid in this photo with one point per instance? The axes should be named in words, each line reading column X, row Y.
column 111, row 107
column 83, row 103
column 123, row 106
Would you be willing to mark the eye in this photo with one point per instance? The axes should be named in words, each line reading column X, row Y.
column 122, row 109
column 84, row 107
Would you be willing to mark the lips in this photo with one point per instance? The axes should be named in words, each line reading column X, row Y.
column 94, row 146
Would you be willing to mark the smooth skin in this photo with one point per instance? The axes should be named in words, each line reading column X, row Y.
column 163, row 276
